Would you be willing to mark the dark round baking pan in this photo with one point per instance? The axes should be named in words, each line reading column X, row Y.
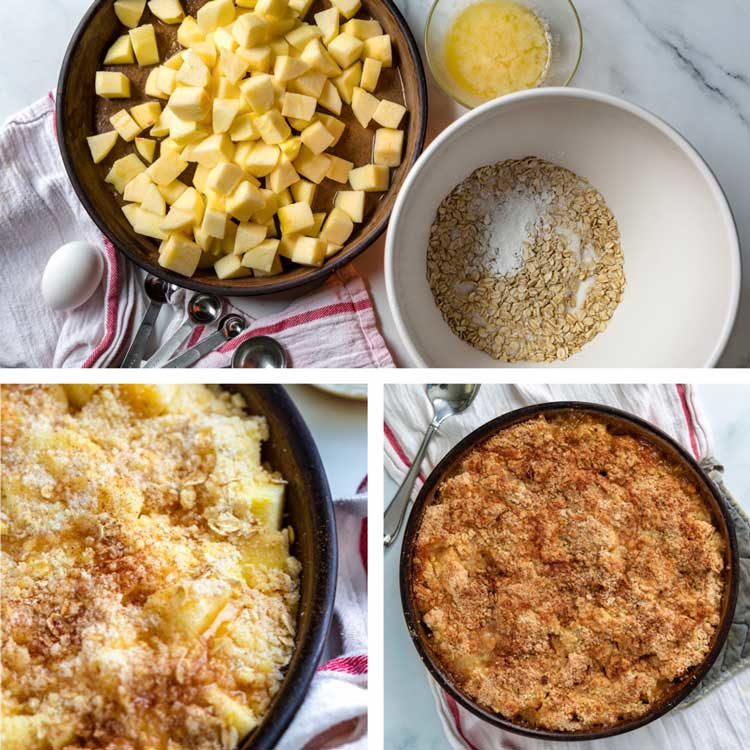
column 623, row 423
column 80, row 113
column 309, row 511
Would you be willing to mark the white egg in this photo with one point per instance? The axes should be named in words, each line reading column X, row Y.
column 72, row 275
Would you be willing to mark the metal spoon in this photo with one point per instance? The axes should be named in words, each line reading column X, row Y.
column 260, row 352
column 158, row 292
column 229, row 328
column 203, row 309
column 447, row 401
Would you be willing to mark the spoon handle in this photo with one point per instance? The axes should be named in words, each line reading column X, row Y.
column 134, row 357
column 200, row 350
column 169, row 348
column 396, row 512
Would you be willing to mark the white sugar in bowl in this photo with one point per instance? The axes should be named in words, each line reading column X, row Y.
column 72, row 275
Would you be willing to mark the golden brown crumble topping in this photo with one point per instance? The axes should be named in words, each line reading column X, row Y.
column 148, row 594
column 567, row 574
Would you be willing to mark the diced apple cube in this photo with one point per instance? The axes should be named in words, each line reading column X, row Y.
column 152, row 86
column 272, row 127
column 206, row 51
column 313, row 167
column 270, row 205
column 243, row 129
column 277, row 267
column 177, row 221
column 258, row 58
column 389, row 114
column 272, row 8
column 285, row 68
column 224, row 113
column 335, row 127
column 193, row 71
column 262, row 257
column 224, row 178
column 191, row 201
column 348, row 8
column 245, row 201
column 339, row 169
column 148, row 224
column 364, row 106
column 309, row 251
column 352, row 202
column 230, row 267
column 250, row 30
column 135, row 191
column 215, row 223
column 248, row 236
column 304, row 191
column 362, row 29
column 144, row 44
column 169, row 11
column 379, row 48
column 112, row 85
column 279, row 26
column 130, row 12
column 330, row 99
column 124, row 170
column 371, row 69
column 316, row 138
column 166, row 79
column 346, row 82
column 146, row 147
column 338, row 227
column 372, row 178
column 189, row 32
column 311, row 83
column 190, row 103
column 328, row 23
column 345, row 49
column 180, row 255
column 259, row 92
column 286, row 245
column 300, row 37
column 298, row 106
column 332, row 249
column 389, row 145
column 166, row 169
column 262, row 160
column 125, row 125
column 284, row 176
column 291, row 147
column 129, row 211
column 175, row 62
column 173, row 192
column 153, row 201
column 121, row 52
column 318, row 58
column 223, row 39
column 214, row 14
column 146, row 114
column 182, row 133
column 232, row 66
column 284, row 198
column 101, row 145
column 295, row 218
column 214, row 150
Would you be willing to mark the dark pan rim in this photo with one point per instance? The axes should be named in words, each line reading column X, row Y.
column 405, row 569
column 308, row 653
column 308, row 278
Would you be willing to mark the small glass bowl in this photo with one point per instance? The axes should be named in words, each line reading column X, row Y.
column 566, row 36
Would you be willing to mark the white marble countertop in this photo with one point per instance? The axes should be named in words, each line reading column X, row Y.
column 686, row 60
column 411, row 719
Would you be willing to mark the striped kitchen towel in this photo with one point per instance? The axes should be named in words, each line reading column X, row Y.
column 333, row 326
column 717, row 715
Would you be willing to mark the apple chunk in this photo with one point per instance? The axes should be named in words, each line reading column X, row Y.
column 101, row 145
column 112, row 85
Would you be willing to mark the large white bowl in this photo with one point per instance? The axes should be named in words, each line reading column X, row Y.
column 682, row 253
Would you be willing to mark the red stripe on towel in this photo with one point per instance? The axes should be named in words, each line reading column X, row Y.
column 111, row 301
column 346, row 665
column 682, row 392
column 397, row 447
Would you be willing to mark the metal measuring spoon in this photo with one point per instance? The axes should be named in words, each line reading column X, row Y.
column 203, row 309
column 260, row 352
column 158, row 292
column 229, row 328
column 447, row 401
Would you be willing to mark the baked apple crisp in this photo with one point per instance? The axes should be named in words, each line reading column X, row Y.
column 149, row 596
column 568, row 575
